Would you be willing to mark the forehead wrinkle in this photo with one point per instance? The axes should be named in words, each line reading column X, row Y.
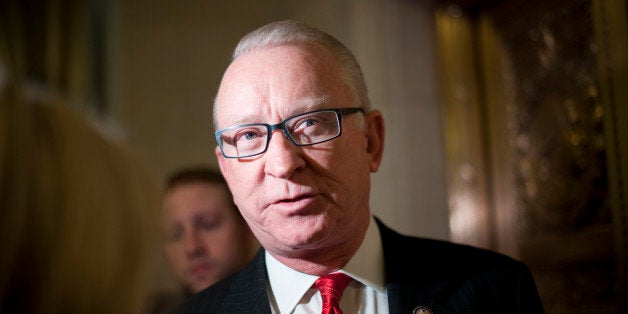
column 306, row 104
column 237, row 81
column 249, row 114
column 300, row 106
column 236, row 112
column 275, row 102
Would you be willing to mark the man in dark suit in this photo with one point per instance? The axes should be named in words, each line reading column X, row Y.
column 297, row 142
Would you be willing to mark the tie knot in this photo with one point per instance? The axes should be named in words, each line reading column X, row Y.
column 331, row 287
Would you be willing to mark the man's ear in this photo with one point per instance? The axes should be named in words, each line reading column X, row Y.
column 374, row 133
column 221, row 161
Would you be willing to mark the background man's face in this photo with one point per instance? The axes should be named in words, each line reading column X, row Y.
column 204, row 238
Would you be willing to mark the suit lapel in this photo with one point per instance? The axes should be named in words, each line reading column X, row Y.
column 247, row 293
column 406, row 293
column 407, row 298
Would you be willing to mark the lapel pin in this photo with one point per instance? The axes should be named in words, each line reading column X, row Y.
column 422, row 310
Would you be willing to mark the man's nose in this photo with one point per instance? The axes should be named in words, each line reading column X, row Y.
column 283, row 158
column 193, row 244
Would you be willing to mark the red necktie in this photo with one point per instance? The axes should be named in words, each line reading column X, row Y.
column 331, row 287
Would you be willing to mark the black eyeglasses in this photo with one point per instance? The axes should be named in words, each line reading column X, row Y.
column 305, row 129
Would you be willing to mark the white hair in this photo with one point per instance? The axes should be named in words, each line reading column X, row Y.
column 289, row 32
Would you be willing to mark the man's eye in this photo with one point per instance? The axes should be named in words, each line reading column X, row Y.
column 250, row 135
column 173, row 235
column 247, row 135
column 209, row 225
column 310, row 122
column 306, row 123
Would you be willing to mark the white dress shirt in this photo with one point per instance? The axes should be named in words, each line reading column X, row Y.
column 291, row 291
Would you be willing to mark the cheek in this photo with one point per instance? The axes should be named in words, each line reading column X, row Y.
column 350, row 167
column 244, row 180
column 349, row 160
column 174, row 256
column 171, row 251
column 225, row 237
column 226, row 246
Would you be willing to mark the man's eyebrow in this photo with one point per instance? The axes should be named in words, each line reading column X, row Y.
column 242, row 119
column 308, row 104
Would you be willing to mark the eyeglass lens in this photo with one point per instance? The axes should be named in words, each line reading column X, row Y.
column 306, row 129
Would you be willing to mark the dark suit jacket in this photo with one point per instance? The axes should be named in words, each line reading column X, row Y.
column 420, row 273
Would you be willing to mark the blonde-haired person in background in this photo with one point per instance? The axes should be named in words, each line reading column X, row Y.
column 76, row 223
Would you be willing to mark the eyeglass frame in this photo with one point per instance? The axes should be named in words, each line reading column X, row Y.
column 270, row 128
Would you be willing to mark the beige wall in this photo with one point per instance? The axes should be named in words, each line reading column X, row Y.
column 166, row 59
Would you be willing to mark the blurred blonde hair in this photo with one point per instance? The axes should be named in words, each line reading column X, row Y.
column 77, row 216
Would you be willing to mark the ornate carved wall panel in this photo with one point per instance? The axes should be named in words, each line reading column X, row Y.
column 548, row 81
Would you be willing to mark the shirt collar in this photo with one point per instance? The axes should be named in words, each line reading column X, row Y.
column 367, row 266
